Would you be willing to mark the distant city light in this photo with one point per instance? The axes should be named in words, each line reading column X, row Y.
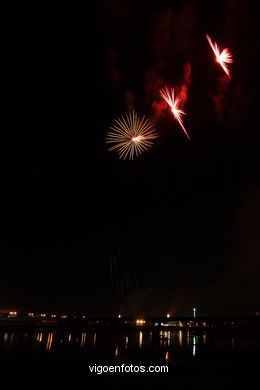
column 140, row 322
column 168, row 315
column 194, row 312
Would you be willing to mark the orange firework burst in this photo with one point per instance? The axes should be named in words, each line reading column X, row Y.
column 131, row 135
column 174, row 104
column 223, row 58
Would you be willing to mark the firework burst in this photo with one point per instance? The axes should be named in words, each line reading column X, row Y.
column 223, row 58
column 174, row 104
column 131, row 135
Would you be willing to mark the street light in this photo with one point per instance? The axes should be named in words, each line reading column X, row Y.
column 194, row 312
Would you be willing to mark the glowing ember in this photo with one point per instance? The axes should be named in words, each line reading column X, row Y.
column 131, row 135
column 174, row 104
column 223, row 58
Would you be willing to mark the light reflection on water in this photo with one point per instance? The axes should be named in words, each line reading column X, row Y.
column 194, row 346
column 188, row 337
column 126, row 342
column 39, row 337
column 168, row 342
column 49, row 341
column 83, row 340
column 140, row 339
column 180, row 338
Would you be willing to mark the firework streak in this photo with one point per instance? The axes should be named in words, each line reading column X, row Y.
column 131, row 135
column 223, row 58
column 174, row 104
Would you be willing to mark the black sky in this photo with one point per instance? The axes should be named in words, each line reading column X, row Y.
column 183, row 219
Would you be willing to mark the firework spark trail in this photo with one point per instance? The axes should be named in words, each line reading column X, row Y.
column 131, row 135
column 223, row 58
column 174, row 104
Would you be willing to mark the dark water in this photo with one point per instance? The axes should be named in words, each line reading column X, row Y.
column 200, row 361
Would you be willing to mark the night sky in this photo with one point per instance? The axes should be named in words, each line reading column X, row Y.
column 182, row 221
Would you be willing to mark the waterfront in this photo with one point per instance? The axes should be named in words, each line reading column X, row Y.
column 197, row 360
